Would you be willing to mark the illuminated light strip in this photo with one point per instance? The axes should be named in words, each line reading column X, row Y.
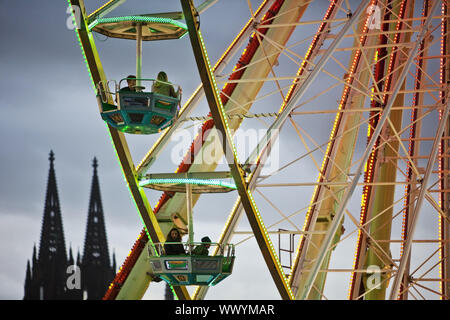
column 92, row 81
column 137, row 19
column 337, row 120
column 114, row 4
column 308, row 54
column 371, row 159
column 441, row 163
column 402, row 77
column 300, row 72
column 393, row 58
column 394, row 51
column 203, row 182
column 370, row 165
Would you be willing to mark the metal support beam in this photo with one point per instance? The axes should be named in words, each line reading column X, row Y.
column 118, row 139
column 138, row 54
column 205, row 5
column 217, row 111
column 105, row 9
column 189, row 214
column 381, row 198
column 343, row 204
column 444, row 223
column 419, row 201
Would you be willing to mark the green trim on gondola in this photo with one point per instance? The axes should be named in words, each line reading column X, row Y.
column 137, row 19
column 192, row 270
column 212, row 182
column 140, row 112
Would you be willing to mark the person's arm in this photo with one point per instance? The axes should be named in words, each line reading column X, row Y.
column 173, row 93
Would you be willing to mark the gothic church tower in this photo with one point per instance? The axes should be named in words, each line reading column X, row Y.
column 46, row 277
column 50, row 268
column 97, row 271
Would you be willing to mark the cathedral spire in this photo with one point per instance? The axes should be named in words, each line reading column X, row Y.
column 28, row 280
column 52, row 273
column 46, row 276
column 52, row 243
column 96, row 267
column 71, row 260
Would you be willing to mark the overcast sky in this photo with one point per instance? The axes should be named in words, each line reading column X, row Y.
column 47, row 103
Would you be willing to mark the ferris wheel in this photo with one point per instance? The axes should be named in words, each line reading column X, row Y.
column 350, row 100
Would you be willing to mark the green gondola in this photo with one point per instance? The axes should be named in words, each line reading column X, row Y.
column 189, row 269
column 138, row 112
column 193, row 266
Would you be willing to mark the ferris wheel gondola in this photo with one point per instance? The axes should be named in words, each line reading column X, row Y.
column 137, row 111
column 191, row 267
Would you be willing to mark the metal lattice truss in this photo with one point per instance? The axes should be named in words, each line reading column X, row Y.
column 354, row 102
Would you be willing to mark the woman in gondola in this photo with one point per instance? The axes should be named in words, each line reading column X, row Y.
column 163, row 86
column 174, row 248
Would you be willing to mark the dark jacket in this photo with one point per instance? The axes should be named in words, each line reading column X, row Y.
column 200, row 250
column 127, row 89
column 173, row 248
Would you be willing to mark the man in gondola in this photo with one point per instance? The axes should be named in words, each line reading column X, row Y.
column 131, row 81
column 202, row 250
